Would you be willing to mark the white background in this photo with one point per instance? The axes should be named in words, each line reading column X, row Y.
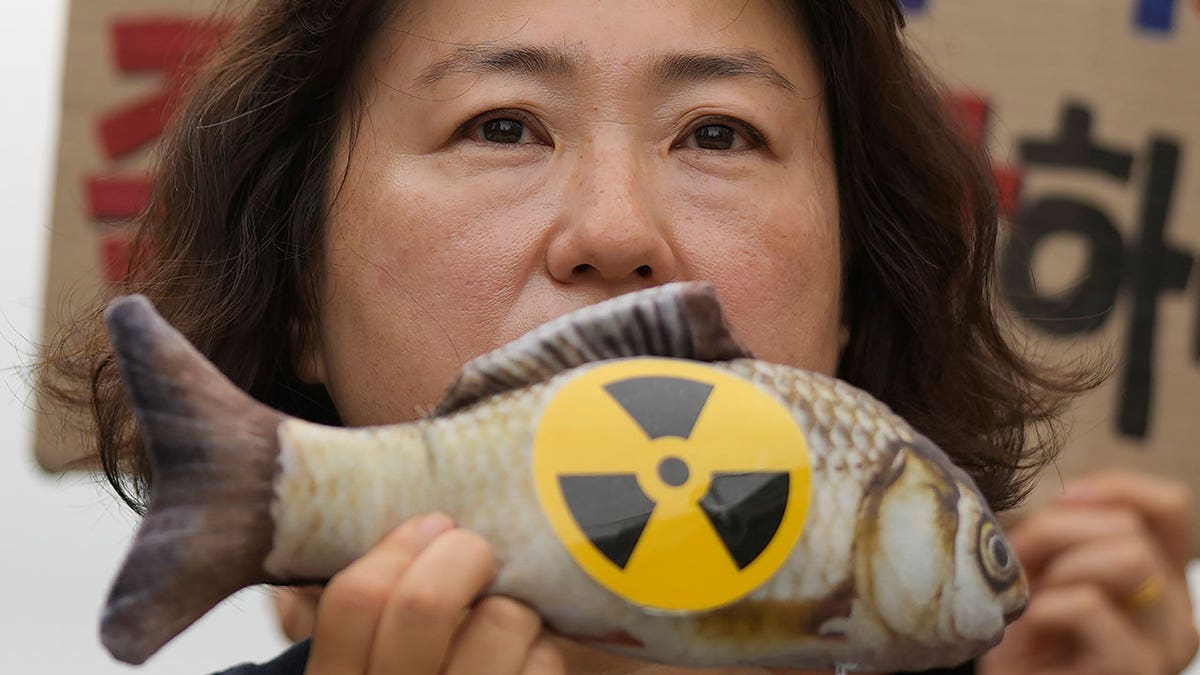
column 61, row 539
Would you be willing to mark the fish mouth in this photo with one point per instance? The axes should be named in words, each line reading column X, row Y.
column 1017, row 600
column 1015, row 613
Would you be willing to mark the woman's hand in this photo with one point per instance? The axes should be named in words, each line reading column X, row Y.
column 1107, row 567
column 408, row 608
column 296, row 607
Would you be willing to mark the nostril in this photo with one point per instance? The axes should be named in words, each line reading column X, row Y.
column 583, row 269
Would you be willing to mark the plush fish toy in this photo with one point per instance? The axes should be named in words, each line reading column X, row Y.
column 647, row 486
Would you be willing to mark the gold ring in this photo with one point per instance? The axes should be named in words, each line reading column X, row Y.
column 1146, row 594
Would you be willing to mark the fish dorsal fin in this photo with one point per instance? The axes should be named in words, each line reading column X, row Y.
column 679, row 320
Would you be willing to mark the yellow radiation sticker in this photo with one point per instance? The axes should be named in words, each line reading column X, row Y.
column 675, row 485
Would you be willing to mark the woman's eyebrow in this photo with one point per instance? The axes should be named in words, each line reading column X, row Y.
column 697, row 67
column 545, row 62
column 533, row 61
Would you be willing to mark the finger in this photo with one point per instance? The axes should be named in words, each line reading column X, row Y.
column 355, row 598
column 1026, row 649
column 296, row 608
column 1120, row 566
column 1104, row 638
column 580, row 657
column 544, row 658
column 495, row 638
column 428, row 603
column 1135, row 575
column 1165, row 505
column 1046, row 534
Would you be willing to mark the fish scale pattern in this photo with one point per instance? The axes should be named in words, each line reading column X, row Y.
column 478, row 468
column 476, row 464
column 847, row 430
column 851, row 438
column 484, row 453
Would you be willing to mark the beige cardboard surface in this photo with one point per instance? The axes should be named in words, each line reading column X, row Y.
column 93, row 87
column 1139, row 81
column 1031, row 60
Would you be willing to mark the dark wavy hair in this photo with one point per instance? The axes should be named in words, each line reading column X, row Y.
column 230, row 248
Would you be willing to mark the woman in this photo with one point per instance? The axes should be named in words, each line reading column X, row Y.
column 363, row 195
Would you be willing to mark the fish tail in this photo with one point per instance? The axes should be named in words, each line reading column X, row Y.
column 213, row 453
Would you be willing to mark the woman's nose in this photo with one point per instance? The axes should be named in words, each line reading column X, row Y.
column 611, row 228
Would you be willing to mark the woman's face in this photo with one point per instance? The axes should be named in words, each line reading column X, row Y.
column 518, row 162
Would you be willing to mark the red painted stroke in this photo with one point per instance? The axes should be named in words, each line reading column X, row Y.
column 126, row 128
column 119, row 257
column 115, row 248
column 1009, row 181
column 170, row 45
column 165, row 43
column 112, row 198
column 973, row 112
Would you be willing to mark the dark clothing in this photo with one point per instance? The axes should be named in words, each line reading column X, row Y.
column 967, row 668
column 293, row 660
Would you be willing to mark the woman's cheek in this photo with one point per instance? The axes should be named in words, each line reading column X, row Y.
column 777, row 268
column 459, row 232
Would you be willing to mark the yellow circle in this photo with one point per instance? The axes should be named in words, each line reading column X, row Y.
column 676, row 485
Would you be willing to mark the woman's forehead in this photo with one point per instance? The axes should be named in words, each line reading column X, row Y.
column 650, row 39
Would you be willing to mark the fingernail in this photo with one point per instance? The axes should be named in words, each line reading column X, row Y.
column 431, row 525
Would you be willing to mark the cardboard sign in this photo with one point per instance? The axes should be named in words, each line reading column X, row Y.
column 1092, row 113
column 1091, row 109
column 126, row 62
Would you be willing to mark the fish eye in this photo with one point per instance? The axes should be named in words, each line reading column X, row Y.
column 996, row 559
column 999, row 551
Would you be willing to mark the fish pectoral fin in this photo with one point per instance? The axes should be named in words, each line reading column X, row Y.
column 679, row 320
column 910, row 547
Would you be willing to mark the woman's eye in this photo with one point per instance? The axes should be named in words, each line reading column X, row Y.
column 505, row 127
column 722, row 137
column 715, row 137
column 503, row 131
